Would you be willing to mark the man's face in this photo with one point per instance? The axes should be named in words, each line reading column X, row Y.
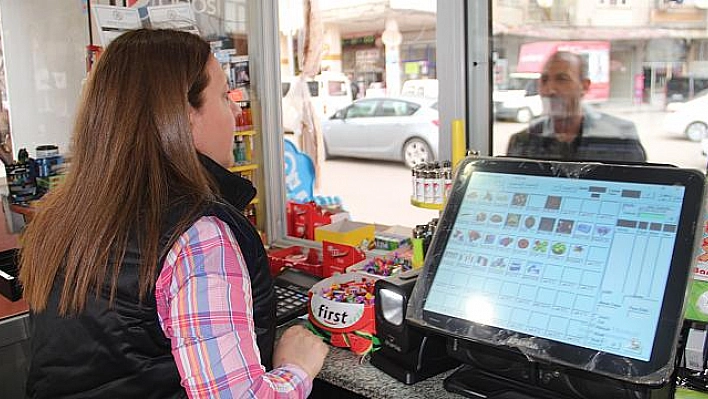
column 561, row 89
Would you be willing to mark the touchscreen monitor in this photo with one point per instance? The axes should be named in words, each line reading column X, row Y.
column 585, row 265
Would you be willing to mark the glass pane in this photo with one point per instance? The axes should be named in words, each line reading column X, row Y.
column 632, row 91
column 361, row 148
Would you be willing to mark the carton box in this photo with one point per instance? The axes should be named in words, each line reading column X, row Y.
column 356, row 234
column 392, row 237
column 337, row 257
column 302, row 219
column 307, row 260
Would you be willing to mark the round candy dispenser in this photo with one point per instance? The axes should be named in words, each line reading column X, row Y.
column 342, row 310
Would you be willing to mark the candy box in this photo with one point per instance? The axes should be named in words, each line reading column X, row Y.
column 303, row 219
column 347, row 232
column 307, row 260
column 346, row 324
column 392, row 237
column 337, row 257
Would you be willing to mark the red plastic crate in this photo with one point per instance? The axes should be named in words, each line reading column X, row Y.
column 297, row 258
column 337, row 257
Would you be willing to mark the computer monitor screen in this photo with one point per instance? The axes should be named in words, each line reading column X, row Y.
column 584, row 265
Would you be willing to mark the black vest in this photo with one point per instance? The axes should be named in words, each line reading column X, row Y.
column 122, row 352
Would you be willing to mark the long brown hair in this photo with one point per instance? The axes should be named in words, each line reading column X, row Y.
column 132, row 154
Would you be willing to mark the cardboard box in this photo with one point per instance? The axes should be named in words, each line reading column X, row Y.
column 297, row 258
column 337, row 257
column 356, row 234
column 303, row 219
column 392, row 237
column 10, row 286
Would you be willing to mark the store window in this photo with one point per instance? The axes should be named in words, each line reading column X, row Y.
column 634, row 80
column 362, row 147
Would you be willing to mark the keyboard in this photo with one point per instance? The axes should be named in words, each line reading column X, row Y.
column 291, row 287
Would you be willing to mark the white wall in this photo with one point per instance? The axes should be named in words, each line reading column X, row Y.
column 44, row 46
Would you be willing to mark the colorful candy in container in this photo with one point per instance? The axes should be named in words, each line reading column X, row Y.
column 342, row 311
column 382, row 266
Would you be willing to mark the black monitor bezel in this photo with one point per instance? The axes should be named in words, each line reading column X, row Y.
column 669, row 324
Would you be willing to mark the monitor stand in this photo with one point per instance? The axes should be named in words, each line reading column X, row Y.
column 554, row 383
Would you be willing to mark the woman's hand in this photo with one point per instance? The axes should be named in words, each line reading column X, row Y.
column 302, row 348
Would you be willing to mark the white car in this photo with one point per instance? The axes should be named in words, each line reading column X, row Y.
column 690, row 119
column 388, row 128
column 519, row 99
column 329, row 91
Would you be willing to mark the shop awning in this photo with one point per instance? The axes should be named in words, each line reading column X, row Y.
column 597, row 33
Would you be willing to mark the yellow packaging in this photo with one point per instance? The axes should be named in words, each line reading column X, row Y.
column 356, row 234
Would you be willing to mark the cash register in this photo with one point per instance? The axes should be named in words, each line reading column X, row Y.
column 561, row 280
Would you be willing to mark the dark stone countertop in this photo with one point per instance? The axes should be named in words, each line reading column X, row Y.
column 346, row 370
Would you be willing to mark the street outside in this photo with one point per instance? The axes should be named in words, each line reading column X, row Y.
column 379, row 192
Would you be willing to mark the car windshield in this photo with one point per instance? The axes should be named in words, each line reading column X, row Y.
column 312, row 86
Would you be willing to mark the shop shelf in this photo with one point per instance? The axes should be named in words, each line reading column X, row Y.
column 243, row 168
column 248, row 132
column 427, row 205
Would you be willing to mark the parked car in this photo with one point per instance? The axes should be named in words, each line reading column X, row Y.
column 427, row 88
column 329, row 91
column 390, row 128
column 690, row 120
column 682, row 89
column 519, row 99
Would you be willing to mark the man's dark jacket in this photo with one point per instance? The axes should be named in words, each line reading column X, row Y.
column 603, row 138
column 122, row 352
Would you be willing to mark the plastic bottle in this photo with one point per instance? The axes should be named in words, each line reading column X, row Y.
column 420, row 183
column 447, row 179
column 438, row 184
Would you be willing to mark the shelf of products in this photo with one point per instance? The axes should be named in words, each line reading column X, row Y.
column 246, row 143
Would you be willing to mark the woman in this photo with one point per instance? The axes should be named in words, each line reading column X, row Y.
column 143, row 278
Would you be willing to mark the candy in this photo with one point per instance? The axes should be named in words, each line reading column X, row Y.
column 387, row 266
column 360, row 292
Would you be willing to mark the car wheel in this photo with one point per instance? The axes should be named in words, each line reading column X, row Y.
column 416, row 151
column 524, row 115
column 696, row 131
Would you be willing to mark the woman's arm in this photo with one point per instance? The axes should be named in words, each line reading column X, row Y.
column 204, row 303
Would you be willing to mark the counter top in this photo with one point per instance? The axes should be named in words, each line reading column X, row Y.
column 11, row 309
column 344, row 369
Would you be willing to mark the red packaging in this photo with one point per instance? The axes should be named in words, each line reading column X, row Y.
column 297, row 258
column 302, row 219
column 337, row 257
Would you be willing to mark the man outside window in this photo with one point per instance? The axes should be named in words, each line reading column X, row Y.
column 568, row 130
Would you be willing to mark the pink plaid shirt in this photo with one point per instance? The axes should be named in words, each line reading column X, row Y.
column 205, row 308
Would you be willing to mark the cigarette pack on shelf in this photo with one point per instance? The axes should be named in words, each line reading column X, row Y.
column 303, row 218
column 342, row 308
column 307, row 260
column 337, row 257
column 10, row 286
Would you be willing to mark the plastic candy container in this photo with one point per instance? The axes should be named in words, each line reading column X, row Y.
column 342, row 311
